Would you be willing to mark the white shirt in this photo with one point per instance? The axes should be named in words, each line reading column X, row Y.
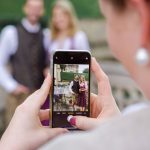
column 70, row 87
column 78, row 42
column 8, row 47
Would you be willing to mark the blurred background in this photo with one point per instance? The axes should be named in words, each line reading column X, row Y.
column 92, row 23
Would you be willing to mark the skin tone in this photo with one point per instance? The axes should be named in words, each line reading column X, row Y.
column 126, row 32
column 61, row 21
column 34, row 10
column 26, row 124
column 103, row 106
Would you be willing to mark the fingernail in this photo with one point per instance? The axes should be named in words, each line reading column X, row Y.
column 71, row 120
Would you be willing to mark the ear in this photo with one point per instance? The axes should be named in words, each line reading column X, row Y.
column 143, row 8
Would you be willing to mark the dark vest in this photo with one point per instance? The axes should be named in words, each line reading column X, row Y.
column 75, row 87
column 29, row 60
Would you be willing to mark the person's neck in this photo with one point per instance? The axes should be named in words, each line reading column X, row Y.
column 31, row 27
column 63, row 34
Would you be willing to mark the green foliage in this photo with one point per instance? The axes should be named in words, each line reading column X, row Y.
column 86, row 71
column 12, row 9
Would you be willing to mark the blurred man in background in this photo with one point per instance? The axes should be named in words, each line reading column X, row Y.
column 24, row 48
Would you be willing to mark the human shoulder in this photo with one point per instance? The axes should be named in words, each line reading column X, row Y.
column 71, row 141
column 9, row 35
column 47, row 37
column 125, row 132
column 9, row 30
column 81, row 40
column 46, row 32
column 80, row 34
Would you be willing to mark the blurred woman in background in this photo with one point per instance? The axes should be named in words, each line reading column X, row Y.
column 64, row 31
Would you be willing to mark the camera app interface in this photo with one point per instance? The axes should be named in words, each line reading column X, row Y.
column 70, row 93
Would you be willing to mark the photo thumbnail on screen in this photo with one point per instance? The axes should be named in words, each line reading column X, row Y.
column 71, row 83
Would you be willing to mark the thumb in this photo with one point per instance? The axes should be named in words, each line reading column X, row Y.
column 83, row 123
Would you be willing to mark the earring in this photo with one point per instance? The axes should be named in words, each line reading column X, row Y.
column 142, row 57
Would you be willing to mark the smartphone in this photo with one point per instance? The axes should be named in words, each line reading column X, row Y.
column 71, row 86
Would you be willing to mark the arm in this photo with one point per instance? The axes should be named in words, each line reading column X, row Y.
column 8, row 35
column 26, row 126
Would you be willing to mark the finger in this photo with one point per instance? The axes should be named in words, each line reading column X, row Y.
column 37, row 99
column 83, row 123
column 95, row 105
column 44, row 114
column 45, row 88
column 43, row 92
column 102, row 79
column 92, row 98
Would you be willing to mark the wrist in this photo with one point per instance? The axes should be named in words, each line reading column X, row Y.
column 10, row 144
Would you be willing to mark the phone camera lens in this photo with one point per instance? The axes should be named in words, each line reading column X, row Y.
column 86, row 58
column 56, row 57
column 71, row 58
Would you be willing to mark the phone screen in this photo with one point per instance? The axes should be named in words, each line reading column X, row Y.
column 71, row 87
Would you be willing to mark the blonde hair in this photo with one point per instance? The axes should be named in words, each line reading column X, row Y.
column 69, row 9
column 83, row 78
